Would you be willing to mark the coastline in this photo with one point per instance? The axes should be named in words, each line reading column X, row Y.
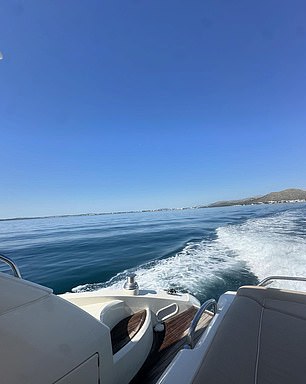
column 213, row 205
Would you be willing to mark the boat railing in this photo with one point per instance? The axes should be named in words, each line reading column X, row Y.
column 190, row 342
column 270, row 279
column 12, row 264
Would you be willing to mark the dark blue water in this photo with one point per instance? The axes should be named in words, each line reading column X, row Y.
column 201, row 251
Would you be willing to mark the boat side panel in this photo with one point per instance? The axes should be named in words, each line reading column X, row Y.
column 88, row 373
column 16, row 292
column 43, row 341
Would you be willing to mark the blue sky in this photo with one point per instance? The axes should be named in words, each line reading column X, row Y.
column 119, row 105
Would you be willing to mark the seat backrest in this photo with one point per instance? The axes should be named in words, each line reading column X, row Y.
column 262, row 339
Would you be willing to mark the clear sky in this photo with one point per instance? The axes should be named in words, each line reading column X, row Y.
column 110, row 105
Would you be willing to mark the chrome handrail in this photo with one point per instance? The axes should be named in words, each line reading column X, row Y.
column 198, row 315
column 12, row 264
column 269, row 280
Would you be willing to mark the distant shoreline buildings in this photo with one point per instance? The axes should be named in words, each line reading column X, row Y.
column 282, row 197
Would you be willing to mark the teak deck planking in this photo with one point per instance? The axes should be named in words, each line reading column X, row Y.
column 168, row 343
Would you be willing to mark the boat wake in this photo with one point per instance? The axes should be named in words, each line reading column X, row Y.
column 273, row 245
column 239, row 254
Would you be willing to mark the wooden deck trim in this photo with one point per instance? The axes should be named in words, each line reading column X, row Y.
column 126, row 329
column 168, row 343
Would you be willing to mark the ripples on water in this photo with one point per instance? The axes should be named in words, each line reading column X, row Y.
column 204, row 251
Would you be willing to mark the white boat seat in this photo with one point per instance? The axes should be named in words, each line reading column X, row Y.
column 129, row 358
column 262, row 339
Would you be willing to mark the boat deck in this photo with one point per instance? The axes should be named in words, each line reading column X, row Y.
column 166, row 344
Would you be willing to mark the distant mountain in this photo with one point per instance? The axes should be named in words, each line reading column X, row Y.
column 274, row 197
column 287, row 194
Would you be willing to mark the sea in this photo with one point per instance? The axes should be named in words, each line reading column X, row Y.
column 201, row 251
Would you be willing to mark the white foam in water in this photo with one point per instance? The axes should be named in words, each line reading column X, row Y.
column 195, row 267
column 266, row 246
column 269, row 246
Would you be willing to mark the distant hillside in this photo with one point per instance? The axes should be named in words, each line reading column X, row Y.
column 226, row 203
column 287, row 194
column 273, row 197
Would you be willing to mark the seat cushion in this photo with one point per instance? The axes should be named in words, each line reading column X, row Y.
column 262, row 340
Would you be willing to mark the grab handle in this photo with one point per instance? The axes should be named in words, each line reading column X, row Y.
column 198, row 315
column 12, row 264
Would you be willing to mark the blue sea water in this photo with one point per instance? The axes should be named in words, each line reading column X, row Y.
column 201, row 251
